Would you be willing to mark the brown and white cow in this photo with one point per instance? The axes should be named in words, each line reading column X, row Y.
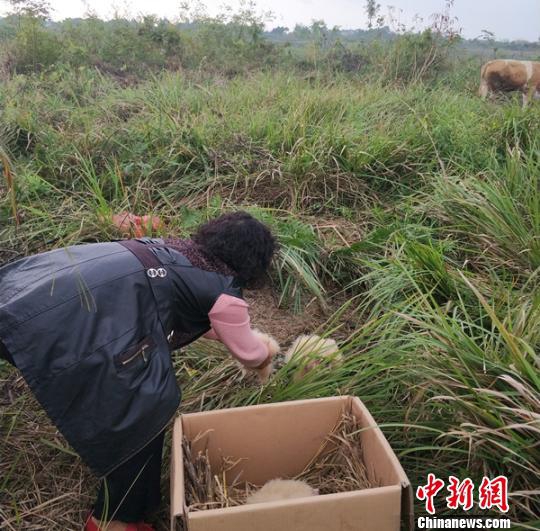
column 506, row 75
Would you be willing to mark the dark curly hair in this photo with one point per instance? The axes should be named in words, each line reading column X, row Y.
column 245, row 244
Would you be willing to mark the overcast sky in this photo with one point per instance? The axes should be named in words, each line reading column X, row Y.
column 508, row 19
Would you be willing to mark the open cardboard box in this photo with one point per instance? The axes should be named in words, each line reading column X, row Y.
column 279, row 440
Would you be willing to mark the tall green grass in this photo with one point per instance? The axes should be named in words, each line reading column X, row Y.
column 308, row 144
column 442, row 273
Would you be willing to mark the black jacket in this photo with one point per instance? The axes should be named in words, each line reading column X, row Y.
column 88, row 328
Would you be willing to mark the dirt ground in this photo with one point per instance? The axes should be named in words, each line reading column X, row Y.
column 281, row 323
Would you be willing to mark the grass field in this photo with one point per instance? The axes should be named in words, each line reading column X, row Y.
column 409, row 222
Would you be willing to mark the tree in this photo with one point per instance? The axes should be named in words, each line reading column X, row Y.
column 372, row 11
column 319, row 32
column 279, row 30
column 33, row 47
column 301, row 32
column 32, row 8
column 489, row 37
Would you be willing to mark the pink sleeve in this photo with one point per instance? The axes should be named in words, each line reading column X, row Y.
column 230, row 323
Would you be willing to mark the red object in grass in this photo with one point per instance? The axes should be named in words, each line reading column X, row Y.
column 92, row 526
column 139, row 526
column 137, row 226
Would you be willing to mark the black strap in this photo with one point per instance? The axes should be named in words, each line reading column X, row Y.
column 154, row 268
column 143, row 253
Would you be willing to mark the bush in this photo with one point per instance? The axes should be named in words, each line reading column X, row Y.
column 33, row 49
column 341, row 58
column 413, row 57
column 122, row 46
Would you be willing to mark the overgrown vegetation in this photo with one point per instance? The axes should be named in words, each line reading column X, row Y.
column 236, row 41
column 392, row 187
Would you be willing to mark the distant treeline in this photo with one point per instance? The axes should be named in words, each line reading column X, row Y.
column 300, row 33
column 31, row 42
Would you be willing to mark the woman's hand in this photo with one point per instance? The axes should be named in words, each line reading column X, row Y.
column 264, row 370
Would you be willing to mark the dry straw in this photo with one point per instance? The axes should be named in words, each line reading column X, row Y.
column 338, row 466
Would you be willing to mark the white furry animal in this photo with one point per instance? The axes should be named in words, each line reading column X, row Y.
column 281, row 489
column 269, row 341
column 316, row 348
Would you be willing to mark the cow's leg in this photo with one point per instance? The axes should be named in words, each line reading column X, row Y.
column 483, row 91
column 528, row 94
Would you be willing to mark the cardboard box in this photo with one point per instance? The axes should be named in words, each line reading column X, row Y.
column 279, row 440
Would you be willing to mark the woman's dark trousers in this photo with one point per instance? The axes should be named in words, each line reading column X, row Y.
column 131, row 492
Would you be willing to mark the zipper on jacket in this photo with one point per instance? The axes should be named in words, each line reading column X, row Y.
column 142, row 349
column 141, row 352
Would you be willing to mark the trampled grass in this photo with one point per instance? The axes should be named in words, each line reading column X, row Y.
column 441, row 272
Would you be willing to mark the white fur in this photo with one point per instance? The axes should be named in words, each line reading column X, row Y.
column 271, row 344
column 316, row 349
column 281, row 489
column 528, row 69
column 316, row 345
column 484, row 89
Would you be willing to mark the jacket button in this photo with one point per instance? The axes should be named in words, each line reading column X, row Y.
column 152, row 273
column 162, row 273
